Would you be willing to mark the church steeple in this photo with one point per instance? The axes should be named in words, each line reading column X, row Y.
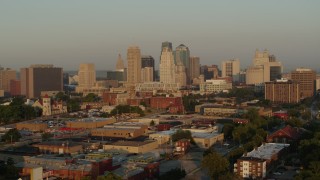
column 119, row 65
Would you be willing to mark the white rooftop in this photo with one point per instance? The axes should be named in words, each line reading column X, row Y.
column 267, row 150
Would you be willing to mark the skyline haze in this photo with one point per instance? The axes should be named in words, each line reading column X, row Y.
column 67, row 33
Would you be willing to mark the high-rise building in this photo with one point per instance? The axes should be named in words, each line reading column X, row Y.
column 15, row 87
column 87, row 77
column 318, row 83
column 210, row 72
column 180, row 74
column 148, row 61
column 120, row 64
column 166, row 45
column 40, row 77
column 167, row 66
column 147, row 74
column 6, row 75
column 282, row 91
column 134, row 65
column 231, row 68
column 265, row 68
column 306, row 79
column 194, row 67
column 182, row 54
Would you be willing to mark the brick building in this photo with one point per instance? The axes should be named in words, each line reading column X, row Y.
column 15, row 88
column 306, row 79
column 282, row 91
column 172, row 104
column 250, row 167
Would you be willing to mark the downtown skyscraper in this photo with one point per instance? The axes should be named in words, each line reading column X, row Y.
column 167, row 66
column 134, row 65
column 182, row 54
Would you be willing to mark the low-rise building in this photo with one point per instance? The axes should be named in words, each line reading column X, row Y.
column 215, row 86
column 89, row 123
column 218, row 110
column 206, row 140
column 162, row 136
column 35, row 126
column 287, row 134
column 156, row 87
column 255, row 164
column 124, row 130
column 182, row 146
column 50, row 107
column 59, row 147
column 132, row 146
column 250, row 167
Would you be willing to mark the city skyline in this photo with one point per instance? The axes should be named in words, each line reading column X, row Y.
column 68, row 34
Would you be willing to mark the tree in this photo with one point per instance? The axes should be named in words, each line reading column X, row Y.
column 173, row 174
column 295, row 122
column 182, row 134
column 215, row 164
column 152, row 123
column 91, row 97
column 46, row 136
column 109, row 176
column 60, row 96
column 8, row 170
column 306, row 115
column 12, row 135
column 227, row 130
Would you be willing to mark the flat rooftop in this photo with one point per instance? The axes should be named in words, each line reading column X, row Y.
column 131, row 143
column 205, row 135
column 59, row 143
column 266, row 151
column 91, row 119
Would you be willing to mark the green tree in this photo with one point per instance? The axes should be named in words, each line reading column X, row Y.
column 46, row 136
column 152, row 123
column 306, row 115
column 91, row 97
column 12, row 135
column 73, row 105
column 109, row 176
column 60, row 96
column 295, row 122
column 173, row 174
column 215, row 164
column 182, row 134
column 227, row 130
column 8, row 170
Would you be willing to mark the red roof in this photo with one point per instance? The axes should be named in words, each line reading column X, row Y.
column 288, row 131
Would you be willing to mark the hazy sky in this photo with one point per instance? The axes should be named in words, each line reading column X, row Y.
column 67, row 33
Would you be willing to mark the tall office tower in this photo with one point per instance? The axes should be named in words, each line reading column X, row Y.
column 6, row 75
column 180, row 74
column 318, row 82
column 134, row 65
column 209, row 72
column 182, row 54
column 231, row 68
column 40, row 77
column 87, row 77
column 167, row 66
column 166, row 45
column 119, row 65
column 265, row 68
column 306, row 79
column 195, row 67
column 147, row 74
column 148, row 61
column 282, row 91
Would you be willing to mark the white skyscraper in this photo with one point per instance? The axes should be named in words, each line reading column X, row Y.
column 87, row 76
column 167, row 66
